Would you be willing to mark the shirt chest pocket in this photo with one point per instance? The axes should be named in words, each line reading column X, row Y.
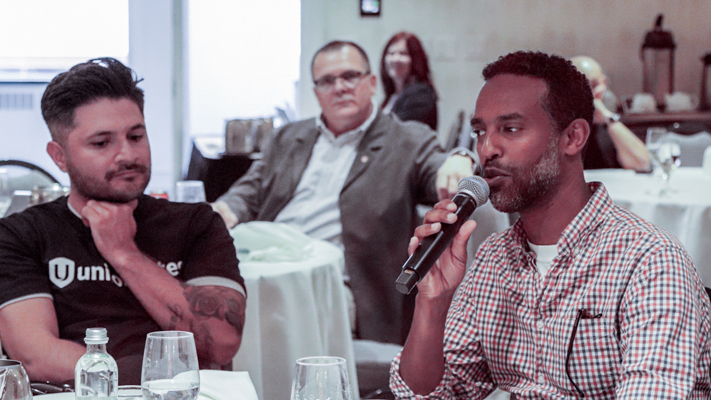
column 592, row 356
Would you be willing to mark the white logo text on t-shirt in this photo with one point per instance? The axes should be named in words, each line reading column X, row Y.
column 63, row 271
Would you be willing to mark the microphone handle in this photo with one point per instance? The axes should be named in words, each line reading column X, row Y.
column 432, row 247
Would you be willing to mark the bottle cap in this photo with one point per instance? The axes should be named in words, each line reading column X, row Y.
column 96, row 336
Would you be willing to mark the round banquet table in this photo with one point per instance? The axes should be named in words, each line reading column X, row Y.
column 685, row 212
column 296, row 306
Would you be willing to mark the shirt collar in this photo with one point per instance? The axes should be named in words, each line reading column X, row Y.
column 75, row 212
column 349, row 135
column 580, row 227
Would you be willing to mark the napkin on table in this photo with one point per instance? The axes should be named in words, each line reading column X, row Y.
column 226, row 385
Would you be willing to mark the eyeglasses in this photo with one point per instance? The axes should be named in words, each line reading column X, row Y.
column 582, row 314
column 350, row 79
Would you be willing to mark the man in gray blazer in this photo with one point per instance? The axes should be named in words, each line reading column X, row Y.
column 353, row 177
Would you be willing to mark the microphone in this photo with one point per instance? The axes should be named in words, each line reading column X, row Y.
column 472, row 192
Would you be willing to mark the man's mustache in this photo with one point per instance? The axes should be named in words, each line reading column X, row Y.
column 492, row 169
column 126, row 167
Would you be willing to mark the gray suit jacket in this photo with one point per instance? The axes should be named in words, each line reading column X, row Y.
column 394, row 170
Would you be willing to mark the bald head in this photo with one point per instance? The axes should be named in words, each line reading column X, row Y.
column 588, row 66
column 592, row 70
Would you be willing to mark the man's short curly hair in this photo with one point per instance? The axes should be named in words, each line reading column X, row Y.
column 569, row 96
column 83, row 84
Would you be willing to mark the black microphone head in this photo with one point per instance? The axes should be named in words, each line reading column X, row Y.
column 475, row 187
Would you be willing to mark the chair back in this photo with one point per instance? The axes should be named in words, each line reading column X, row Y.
column 21, row 181
column 26, row 176
column 692, row 147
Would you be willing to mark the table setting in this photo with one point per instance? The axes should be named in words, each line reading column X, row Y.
column 673, row 197
column 169, row 371
column 214, row 385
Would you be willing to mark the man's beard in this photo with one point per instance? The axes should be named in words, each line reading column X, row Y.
column 532, row 183
column 100, row 189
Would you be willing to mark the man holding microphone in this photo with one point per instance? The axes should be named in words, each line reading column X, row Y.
column 579, row 298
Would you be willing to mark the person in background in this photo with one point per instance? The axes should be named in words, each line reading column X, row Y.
column 406, row 78
column 611, row 143
column 353, row 176
column 579, row 298
column 108, row 255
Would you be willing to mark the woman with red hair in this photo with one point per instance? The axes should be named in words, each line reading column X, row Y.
column 405, row 74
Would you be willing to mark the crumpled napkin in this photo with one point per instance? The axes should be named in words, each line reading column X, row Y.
column 226, row 385
column 271, row 242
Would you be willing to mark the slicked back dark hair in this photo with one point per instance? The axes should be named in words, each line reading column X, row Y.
column 84, row 84
column 336, row 45
column 419, row 67
column 569, row 96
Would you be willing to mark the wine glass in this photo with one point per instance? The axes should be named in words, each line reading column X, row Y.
column 170, row 367
column 14, row 382
column 669, row 154
column 321, row 378
column 655, row 136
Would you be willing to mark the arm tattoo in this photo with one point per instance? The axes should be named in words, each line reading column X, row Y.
column 216, row 302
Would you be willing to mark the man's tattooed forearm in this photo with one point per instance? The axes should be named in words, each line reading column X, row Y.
column 216, row 302
column 235, row 313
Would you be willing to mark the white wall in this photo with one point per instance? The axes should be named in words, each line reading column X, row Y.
column 24, row 134
column 152, row 56
column 461, row 36
column 243, row 60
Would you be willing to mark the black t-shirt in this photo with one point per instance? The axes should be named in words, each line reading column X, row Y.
column 48, row 251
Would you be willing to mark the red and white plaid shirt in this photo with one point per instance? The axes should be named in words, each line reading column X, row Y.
column 624, row 290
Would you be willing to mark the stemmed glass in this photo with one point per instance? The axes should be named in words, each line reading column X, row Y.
column 655, row 135
column 321, row 378
column 665, row 154
column 170, row 367
column 14, row 382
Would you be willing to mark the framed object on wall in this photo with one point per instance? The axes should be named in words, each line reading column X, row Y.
column 370, row 8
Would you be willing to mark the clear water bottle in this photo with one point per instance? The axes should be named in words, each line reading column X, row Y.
column 96, row 373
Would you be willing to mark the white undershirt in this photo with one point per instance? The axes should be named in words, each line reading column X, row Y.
column 314, row 207
column 544, row 257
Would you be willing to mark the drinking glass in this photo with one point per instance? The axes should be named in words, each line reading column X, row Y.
column 321, row 378
column 655, row 136
column 665, row 154
column 670, row 159
column 170, row 367
column 190, row 192
column 14, row 382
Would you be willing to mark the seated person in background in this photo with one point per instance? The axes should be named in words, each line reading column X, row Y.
column 611, row 143
column 353, row 177
column 579, row 298
column 108, row 255
column 405, row 75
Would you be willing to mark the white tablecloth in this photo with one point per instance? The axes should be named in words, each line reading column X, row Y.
column 685, row 213
column 295, row 308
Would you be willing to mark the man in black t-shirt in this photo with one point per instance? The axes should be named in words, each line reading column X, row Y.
column 107, row 255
